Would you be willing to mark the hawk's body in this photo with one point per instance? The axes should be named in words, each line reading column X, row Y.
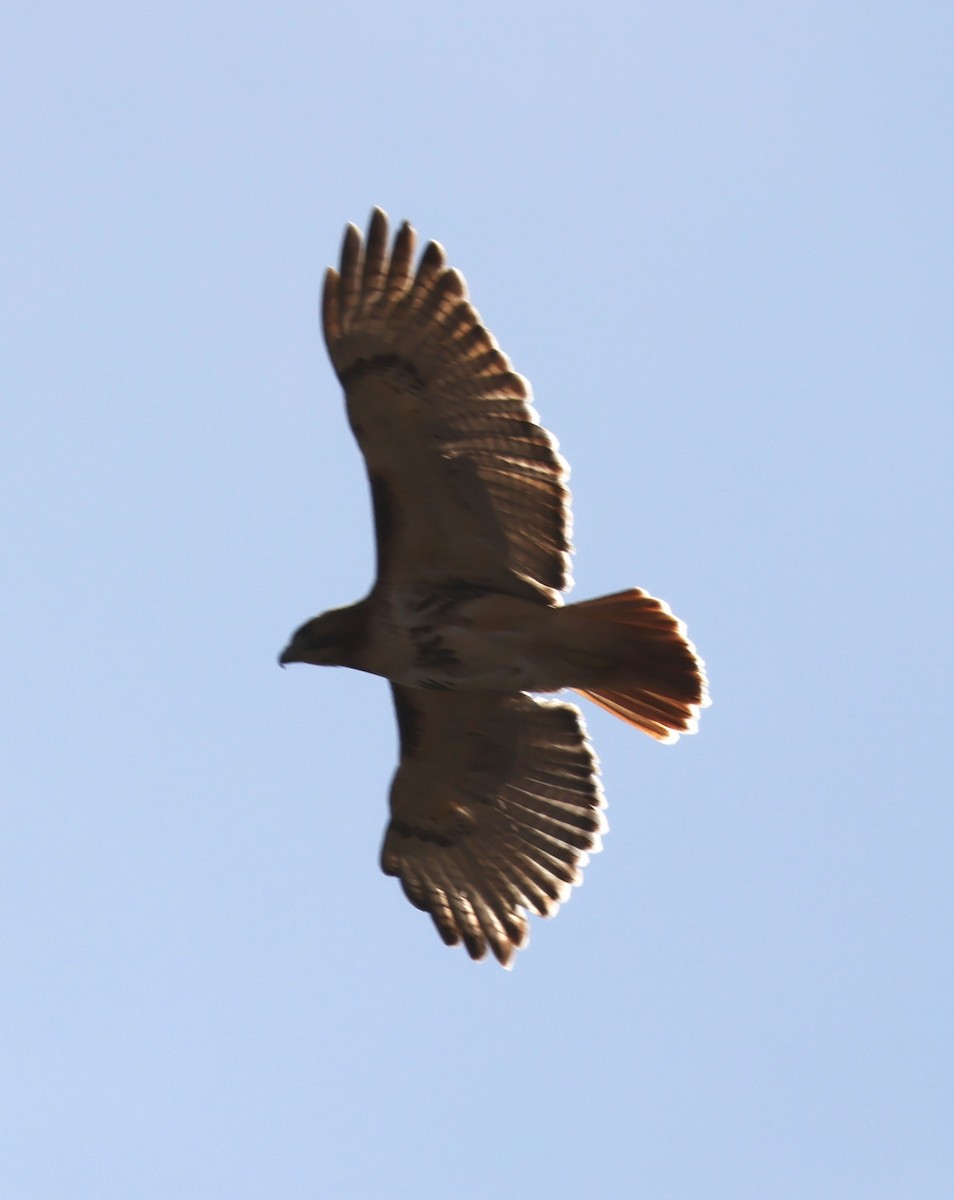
column 496, row 801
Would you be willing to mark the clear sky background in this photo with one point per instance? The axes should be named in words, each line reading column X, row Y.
column 717, row 238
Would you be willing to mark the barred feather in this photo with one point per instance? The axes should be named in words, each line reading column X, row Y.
column 428, row 387
column 496, row 808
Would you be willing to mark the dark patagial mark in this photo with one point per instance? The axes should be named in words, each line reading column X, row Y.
column 409, row 722
column 452, row 829
column 382, row 364
column 382, row 503
column 439, row 601
column 439, row 838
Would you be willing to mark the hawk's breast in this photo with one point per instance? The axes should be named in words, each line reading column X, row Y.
column 462, row 637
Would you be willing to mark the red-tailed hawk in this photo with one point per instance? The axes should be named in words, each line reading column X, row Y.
column 496, row 802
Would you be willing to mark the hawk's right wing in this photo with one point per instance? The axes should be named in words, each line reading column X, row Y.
column 495, row 807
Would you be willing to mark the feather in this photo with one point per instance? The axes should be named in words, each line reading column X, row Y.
column 475, row 876
column 419, row 369
column 496, row 804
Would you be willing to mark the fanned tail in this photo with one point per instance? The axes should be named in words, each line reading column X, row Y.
column 654, row 679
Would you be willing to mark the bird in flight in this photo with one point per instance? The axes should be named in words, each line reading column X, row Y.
column 496, row 803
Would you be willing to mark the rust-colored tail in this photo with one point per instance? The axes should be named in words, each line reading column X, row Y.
column 656, row 681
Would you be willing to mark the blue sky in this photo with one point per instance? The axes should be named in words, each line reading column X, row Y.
column 717, row 238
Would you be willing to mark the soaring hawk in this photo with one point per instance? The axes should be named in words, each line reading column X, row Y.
column 496, row 803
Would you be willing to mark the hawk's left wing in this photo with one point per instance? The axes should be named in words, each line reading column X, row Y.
column 465, row 481
column 495, row 807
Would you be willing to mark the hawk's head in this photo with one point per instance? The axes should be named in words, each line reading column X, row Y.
column 332, row 640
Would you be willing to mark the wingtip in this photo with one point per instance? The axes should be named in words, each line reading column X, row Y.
column 351, row 243
column 379, row 224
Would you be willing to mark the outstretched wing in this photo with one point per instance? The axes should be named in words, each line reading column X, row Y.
column 466, row 484
column 495, row 807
